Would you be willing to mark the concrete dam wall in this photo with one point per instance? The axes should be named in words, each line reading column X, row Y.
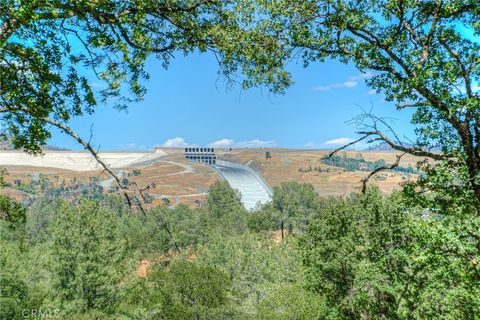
column 253, row 188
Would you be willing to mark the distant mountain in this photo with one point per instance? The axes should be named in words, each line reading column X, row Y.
column 54, row 148
column 383, row 146
column 7, row 145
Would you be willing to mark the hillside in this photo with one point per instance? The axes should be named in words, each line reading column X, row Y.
column 299, row 165
column 172, row 180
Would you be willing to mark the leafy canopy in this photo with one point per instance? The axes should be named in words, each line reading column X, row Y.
column 59, row 59
column 371, row 257
column 416, row 53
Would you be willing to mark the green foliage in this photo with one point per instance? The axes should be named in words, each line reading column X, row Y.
column 183, row 222
column 49, row 52
column 22, row 274
column 360, row 164
column 144, row 234
column 350, row 254
column 371, row 257
column 12, row 211
column 296, row 202
column 83, row 236
column 195, row 291
column 41, row 217
column 13, row 293
column 444, row 261
column 265, row 219
column 367, row 256
column 293, row 302
column 254, row 263
column 25, row 188
column 223, row 200
column 183, row 291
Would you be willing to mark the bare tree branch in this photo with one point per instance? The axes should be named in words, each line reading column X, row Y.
column 373, row 132
column 379, row 169
column 415, row 151
column 463, row 68
column 331, row 154
column 411, row 105
column 428, row 40
column 94, row 153
column 84, row 143
column 88, row 146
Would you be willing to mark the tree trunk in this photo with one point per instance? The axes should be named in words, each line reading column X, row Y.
column 472, row 158
column 281, row 227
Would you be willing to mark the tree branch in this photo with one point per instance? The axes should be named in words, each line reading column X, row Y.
column 84, row 143
column 163, row 223
column 379, row 169
column 94, row 153
column 411, row 105
column 428, row 40
column 463, row 68
column 415, row 151
column 331, row 154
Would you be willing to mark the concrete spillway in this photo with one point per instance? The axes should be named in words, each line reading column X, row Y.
column 252, row 189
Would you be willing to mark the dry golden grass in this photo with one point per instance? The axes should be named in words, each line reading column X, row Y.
column 167, row 178
column 285, row 164
column 183, row 182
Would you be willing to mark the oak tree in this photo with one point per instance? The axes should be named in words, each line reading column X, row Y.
column 418, row 54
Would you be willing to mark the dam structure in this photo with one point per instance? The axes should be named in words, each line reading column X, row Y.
column 201, row 155
column 253, row 188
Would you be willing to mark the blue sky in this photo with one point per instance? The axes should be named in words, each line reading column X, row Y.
column 189, row 104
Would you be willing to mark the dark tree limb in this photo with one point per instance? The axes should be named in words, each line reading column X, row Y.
column 163, row 222
column 86, row 144
column 415, row 151
column 379, row 169
column 94, row 153
column 462, row 66
column 331, row 154
column 411, row 105
column 372, row 132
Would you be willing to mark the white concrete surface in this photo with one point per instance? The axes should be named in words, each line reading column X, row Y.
column 251, row 188
column 78, row 161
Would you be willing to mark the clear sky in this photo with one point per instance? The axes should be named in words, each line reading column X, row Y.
column 189, row 104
